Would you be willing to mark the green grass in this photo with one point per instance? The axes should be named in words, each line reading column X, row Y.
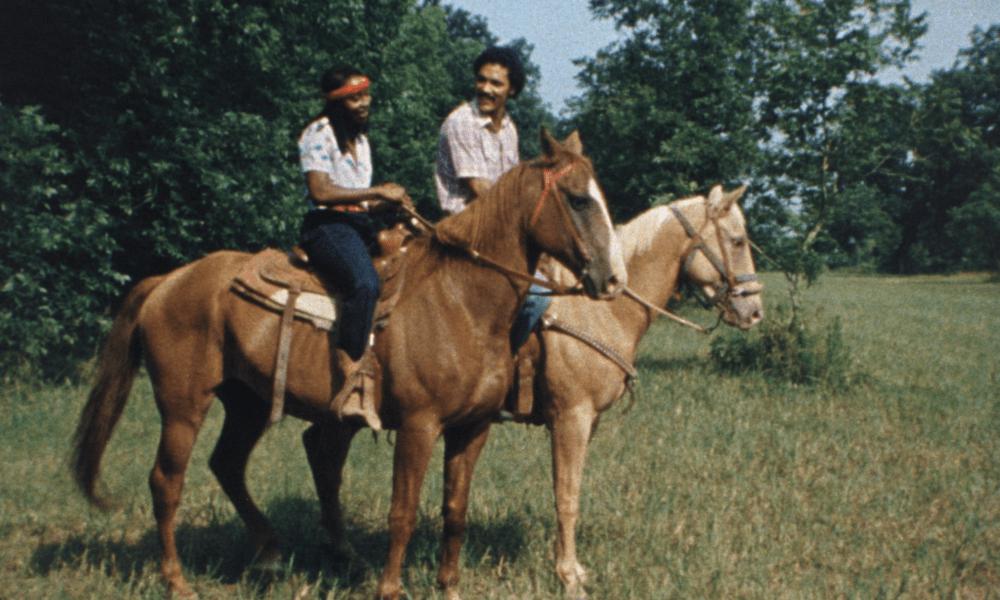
column 712, row 486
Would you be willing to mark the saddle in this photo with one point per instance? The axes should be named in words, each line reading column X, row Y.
column 284, row 283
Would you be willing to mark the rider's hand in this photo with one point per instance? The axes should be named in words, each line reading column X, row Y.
column 393, row 192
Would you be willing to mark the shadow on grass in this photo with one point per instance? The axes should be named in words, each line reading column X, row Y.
column 222, row 550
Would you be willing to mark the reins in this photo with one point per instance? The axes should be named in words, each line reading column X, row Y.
column 553, row 287
column 666, row 313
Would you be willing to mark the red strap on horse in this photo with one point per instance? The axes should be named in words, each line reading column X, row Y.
column 550, row 180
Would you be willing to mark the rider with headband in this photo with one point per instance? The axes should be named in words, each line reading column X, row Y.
column 336, row 161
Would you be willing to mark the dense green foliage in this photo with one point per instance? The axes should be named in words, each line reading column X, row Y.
column 56, row 246
column 140, row 136
column 844, row 169
column 665, row 113
column 711, row 486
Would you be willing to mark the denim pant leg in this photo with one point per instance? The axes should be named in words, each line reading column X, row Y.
column 531, row 313
column 339, row 253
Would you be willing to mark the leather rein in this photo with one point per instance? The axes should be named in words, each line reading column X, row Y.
column 554, row 287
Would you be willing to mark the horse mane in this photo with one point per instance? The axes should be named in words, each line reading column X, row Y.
column 637, row 236
column 472, row 227
column 477, row 223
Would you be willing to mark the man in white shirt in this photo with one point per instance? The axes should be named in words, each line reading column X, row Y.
column 478, row 141
column 478, row 144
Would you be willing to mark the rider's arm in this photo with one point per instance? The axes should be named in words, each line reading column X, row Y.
column 325, row 192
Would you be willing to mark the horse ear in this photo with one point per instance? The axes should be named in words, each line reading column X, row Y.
column 549, row 144
column 733, row 196
column 716, row 202
column 573, row 143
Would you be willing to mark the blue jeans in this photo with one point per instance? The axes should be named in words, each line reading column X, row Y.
column 531, row 313
column 337, row 244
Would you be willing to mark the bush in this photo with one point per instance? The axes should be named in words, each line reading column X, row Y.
column 786, row 349
column 56, row 276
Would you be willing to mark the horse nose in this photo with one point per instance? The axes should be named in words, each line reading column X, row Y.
column 613, row 287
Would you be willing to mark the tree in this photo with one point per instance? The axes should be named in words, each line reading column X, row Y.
column 665, row 111
column 946, row 221
column 824, row 149
column 56, row 249
column 172, row 124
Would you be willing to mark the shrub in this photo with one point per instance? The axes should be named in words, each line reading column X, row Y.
column 786, row 349
column 56, row 275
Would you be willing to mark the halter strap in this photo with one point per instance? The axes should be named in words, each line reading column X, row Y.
column 719, row 264
column 550, row 180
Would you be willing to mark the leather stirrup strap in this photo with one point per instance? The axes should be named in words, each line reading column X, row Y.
column 284, row 350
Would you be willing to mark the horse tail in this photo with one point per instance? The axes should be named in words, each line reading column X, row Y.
column 116, row 372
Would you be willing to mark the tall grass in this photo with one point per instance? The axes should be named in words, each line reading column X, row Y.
column 713, row 486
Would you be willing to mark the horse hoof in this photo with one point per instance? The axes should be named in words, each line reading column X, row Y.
column 355, row 566
column 267, row 562
column 184, row 594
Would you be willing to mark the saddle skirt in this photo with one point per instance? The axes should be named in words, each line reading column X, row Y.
column 271, row 276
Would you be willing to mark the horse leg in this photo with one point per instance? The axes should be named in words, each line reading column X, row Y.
column 409, row 465
column 571, row 432
column 166, row 482
column 246, row 420
column 326, row 447
column 461, row 448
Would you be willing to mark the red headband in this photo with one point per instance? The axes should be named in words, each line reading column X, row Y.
column 347, row 90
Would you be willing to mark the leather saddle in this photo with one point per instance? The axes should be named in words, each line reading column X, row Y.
column 284, row 283
column 271, row 277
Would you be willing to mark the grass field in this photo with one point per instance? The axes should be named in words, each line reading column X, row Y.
column 712, row 486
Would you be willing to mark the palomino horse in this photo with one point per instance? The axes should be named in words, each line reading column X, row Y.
column 445, row 356
column 575, row 382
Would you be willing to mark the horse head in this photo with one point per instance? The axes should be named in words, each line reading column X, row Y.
column 719, row 263
column 570, row 220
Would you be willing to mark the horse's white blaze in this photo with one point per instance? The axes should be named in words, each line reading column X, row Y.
column 617, row 258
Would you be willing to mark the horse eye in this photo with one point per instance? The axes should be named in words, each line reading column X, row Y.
column 578, row 202
column 739, row 241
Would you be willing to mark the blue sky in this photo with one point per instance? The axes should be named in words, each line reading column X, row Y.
column 563, row 30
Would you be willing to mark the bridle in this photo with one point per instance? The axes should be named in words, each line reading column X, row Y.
column 550, row 182
column 730, row 286
column 724, row 290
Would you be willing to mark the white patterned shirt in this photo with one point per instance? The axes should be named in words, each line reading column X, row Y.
column 468, row 149
column 318, row 151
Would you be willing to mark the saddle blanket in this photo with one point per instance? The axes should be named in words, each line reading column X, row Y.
column 267, row 279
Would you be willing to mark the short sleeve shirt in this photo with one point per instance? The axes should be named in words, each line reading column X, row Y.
column 468, row 149
column 318, row 151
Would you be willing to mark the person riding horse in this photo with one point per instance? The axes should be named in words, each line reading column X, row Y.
column 479, row 143
column 336, row 162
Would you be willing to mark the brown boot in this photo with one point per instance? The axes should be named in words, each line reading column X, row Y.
column 359, row 395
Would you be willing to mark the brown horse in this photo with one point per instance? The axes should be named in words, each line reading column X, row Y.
column 445, row 359
column 575, row 382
